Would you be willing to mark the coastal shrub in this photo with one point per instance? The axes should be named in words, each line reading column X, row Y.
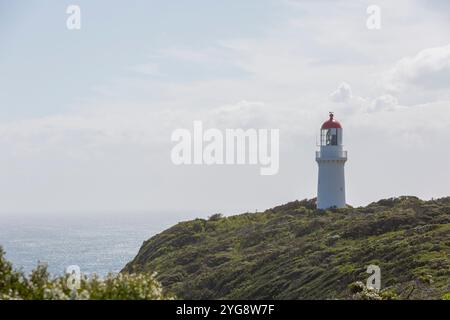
column 40, row 285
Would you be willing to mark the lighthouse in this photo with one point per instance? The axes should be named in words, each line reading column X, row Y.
column 331, row 159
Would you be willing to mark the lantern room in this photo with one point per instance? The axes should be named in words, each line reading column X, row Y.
column 331, row 132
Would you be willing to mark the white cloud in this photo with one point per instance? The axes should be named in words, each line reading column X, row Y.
column 348, row 103
column 384, row 102
column 342, row 94
column 86, row 132
column 428, row 69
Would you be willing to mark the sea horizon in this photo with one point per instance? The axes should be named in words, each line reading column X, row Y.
column 99, row 244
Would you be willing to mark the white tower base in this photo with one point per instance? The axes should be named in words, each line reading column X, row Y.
column 331, row 186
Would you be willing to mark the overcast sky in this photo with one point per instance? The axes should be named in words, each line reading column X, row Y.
column 86, row 116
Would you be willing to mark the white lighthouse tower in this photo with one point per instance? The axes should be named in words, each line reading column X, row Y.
column 331, row 160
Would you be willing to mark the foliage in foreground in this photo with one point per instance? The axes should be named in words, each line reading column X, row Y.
column 295, row 251
column 360, row 291
column 39, row 285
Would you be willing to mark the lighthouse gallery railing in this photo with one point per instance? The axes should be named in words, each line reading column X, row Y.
column 339, row 154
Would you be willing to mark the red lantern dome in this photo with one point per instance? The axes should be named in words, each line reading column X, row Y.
column 331, row 123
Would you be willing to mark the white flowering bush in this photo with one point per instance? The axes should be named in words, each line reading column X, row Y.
column 359, row 291
column 39, row 285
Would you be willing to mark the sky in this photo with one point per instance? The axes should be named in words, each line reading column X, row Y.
column 86, row 115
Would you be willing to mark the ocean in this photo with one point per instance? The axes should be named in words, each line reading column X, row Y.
column 97, row 244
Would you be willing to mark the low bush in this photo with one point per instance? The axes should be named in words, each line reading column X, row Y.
column 39, row 285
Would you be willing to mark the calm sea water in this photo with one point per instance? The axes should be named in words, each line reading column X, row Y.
column 96, row 244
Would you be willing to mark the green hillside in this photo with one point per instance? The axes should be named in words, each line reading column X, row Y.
column 294, row 251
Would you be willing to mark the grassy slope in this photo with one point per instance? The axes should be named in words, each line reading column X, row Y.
column 296, row 252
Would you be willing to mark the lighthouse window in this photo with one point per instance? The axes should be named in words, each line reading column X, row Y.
column 329, row 137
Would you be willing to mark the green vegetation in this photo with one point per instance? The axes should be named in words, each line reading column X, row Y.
column 39, row 286
column 294, row 251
